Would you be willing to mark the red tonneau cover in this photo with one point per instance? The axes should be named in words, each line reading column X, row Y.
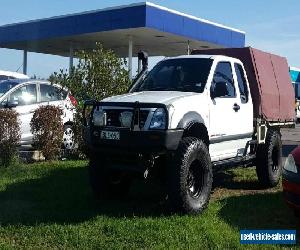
column 270, row 83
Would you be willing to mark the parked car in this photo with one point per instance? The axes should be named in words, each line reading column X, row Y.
column 25, row 96
column 291, row 180
column 295, row 76
column 8, row 75
column 297, row 110
column 189, row 116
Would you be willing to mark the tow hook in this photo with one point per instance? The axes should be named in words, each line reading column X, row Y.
column 147, row 162
column 146, row 173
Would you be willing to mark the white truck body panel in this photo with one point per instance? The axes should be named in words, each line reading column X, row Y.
column 13, row 75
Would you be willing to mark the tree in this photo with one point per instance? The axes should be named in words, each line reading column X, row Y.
column 98, row 74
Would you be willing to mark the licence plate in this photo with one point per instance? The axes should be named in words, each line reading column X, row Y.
column 110, row 135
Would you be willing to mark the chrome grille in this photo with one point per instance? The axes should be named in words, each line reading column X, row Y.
column 114, row 114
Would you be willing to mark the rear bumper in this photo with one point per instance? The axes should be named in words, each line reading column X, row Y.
column 133, row 141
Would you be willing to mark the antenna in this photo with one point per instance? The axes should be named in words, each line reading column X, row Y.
column 19, row 68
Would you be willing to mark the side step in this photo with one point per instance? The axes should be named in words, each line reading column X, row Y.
column 240, row 161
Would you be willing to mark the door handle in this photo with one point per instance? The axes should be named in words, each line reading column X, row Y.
column 236, row 107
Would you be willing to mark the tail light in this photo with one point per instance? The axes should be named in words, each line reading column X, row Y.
column 73, row 100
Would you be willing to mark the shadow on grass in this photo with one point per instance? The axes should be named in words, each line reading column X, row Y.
column 64, row 196
column 225, row 179
column 259, row 211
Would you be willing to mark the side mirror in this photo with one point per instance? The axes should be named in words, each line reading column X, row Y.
column 219, row 89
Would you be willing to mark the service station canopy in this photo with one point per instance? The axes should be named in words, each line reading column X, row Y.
column 125, row 29
column 158, row 30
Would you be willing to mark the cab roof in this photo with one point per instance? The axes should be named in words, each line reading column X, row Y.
column 21, row 81
column 205, row 56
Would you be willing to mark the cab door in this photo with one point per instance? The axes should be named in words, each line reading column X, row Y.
column 227, row 128
column 25, row 99
column 245, row 113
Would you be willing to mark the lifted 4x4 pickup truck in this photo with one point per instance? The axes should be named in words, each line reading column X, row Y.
column 189, row 116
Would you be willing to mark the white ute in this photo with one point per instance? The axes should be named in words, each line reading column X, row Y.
column 188, row 116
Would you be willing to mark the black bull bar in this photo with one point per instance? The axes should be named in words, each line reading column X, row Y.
column 136, row 106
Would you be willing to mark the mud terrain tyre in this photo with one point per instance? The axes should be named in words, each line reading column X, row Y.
column 107, row 183
column 190, row 177
column 269, row 160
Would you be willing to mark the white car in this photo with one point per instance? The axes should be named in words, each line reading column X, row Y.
column 8, row 75
column 26, row 95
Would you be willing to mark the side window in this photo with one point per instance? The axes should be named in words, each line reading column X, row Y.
column 223, row 84
column 242, row 83
column 50, row 93
column 24, row 95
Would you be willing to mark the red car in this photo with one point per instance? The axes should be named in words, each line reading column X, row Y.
column 291, row 180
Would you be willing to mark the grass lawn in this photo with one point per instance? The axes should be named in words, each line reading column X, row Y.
column 51, row 206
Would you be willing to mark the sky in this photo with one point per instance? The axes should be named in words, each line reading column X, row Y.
column 270, row 25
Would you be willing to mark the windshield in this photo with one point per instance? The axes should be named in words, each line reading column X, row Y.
column 6, row 86
column 185, row 74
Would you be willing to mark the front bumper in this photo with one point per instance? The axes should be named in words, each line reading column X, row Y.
column 291, row 189
column 133, row 141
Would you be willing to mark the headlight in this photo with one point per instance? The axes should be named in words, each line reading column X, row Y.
column 99, row 117
column 126, row 119
column 290, row 164
column 159, row 119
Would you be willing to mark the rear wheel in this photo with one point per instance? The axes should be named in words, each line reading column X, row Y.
column 105, row 182
column 190, row 177
column 269, row 160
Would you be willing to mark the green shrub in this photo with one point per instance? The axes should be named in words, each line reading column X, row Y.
column 9, row 136
column 98, row 74
column 47, row 129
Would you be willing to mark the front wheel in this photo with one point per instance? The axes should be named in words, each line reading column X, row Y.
column 269, row 160
column 190, row 177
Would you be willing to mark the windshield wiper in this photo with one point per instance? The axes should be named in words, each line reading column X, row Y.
column 155, row 89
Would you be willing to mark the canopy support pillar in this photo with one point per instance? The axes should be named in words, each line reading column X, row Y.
column 71, row 57
column 25, row 62
column 130, row 45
